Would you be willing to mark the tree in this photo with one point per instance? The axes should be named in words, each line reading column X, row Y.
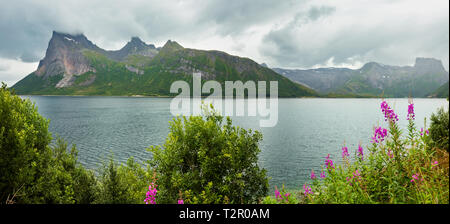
column 439, row 128
column 123, row 184
column 24, row 140
column 208, row 162
column 32, row 169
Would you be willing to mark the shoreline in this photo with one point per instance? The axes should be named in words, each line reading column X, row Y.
column 204, row 97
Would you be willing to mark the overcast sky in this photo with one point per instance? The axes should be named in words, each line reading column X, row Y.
column 289, row 34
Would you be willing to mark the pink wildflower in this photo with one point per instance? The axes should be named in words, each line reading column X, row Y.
column 411, row 114
column 151, row 194
column 360, row 152
column 345, row 152
column 389, row 114
column 307, row 190
column 379, row 135
column 329, row 162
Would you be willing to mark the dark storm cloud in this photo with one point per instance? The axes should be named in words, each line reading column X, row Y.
column 26, row 25
column 235, row 16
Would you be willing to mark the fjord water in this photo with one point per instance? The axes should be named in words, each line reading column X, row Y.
column 307, row 129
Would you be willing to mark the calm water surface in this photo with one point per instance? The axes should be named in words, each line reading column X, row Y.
column 307, row 129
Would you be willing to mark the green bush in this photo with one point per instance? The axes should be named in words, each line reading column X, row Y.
column 24, row 140
column 112, row 189
column 32, row 170
column 123, row 184
column 439, row 129
column 207, row 162
column 61, row 179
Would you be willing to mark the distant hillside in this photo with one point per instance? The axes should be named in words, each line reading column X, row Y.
column 73, row 65
column 441, row 92
column 374, row 79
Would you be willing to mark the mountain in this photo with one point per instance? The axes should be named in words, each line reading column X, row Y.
column 323, row 80
column 374, row 79
column 73, row 65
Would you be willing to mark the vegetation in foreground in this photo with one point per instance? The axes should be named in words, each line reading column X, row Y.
column 205, row 161
column 399, row 167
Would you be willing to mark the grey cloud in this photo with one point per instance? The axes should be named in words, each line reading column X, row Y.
column 234, row 16
column 26, row 28
column 4, row 67
column 26, row 25
column 316, row 12
column 396, row 42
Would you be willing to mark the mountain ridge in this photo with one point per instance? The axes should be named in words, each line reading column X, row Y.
column 73, row 65
column 374, row 79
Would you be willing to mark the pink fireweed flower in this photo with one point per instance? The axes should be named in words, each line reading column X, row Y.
column 151, row 194
column 389, row 114
column 435, row 163
column 313, row 175
column 322, row 175
column 415, row 177
column 344, row 152
column 329, row 162
column 411, row 114
column 379, row 135
column 360, row 152
column 277, row 193
column 356, row 176
column 349, row 180
column 180, row 202
column 307, row 190
column 390, row 154
column 286, row 196
column 422, row 132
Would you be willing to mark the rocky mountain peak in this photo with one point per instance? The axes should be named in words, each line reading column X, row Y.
column 64, row 57
column 138, row 43
column 74, row 40
column 171, row 46
column 134, row 46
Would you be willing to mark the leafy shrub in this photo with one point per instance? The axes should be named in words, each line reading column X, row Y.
column 122, row 184
column 24, row 140
column 136, row 177
column 63, row 179
column 439, row 128
column 209, row 162
column 32, row 170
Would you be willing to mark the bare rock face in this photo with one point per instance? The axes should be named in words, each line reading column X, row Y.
column 135, row 70
column 428, row 66
column 64, row 56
